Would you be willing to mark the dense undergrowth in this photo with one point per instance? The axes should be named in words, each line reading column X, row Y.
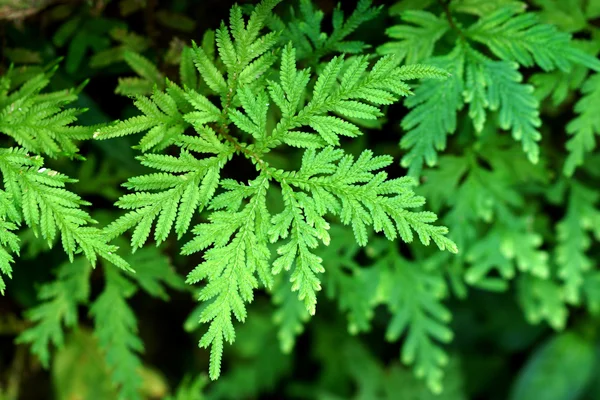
column 293, row 199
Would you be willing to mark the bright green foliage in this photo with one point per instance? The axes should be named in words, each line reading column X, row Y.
column 267, row 175
column 477, row 80
column 50, row 209
column 38, row 122
column 329, row 182
column 9, row 242
column 33, row 194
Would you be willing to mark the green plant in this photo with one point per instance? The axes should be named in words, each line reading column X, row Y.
column 263, row 164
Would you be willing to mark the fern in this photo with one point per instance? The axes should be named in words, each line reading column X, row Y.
column 26, row 114
column 9, row 241
column 266, row 170
column 478, row 80
column 330, row 182
column 583, row 128
column 60, row 301
column 38, row 195
column 116, row 329
column 573, row 241
column 410, row 290
column 114, row 320
column 311, row 43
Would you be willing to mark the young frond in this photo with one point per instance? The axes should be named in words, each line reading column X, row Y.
column 363, row 196
column 360, row 94
column 310, row 112
column 239, row 251
column 184, row 186
column 330, row 182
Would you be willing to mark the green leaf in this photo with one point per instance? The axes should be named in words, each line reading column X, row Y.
column 559, row 369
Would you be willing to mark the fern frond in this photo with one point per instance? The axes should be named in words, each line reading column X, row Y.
column 305, row 30
column 360, row 94
column 523, row 39
column 334, row 183
column 60, row 300
column 115, row 326
column 168, row 198
column 235, row 241
column 414, row 298
column 433, row 114
column 415, row 43
column 161, row 118
column 497, row 85
column 239, row 251
column 290, row 315
column 38, row 122
column 573, row 240
column 542, row 300
column 9, row 241
column 585, row 126
column 47, row 207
